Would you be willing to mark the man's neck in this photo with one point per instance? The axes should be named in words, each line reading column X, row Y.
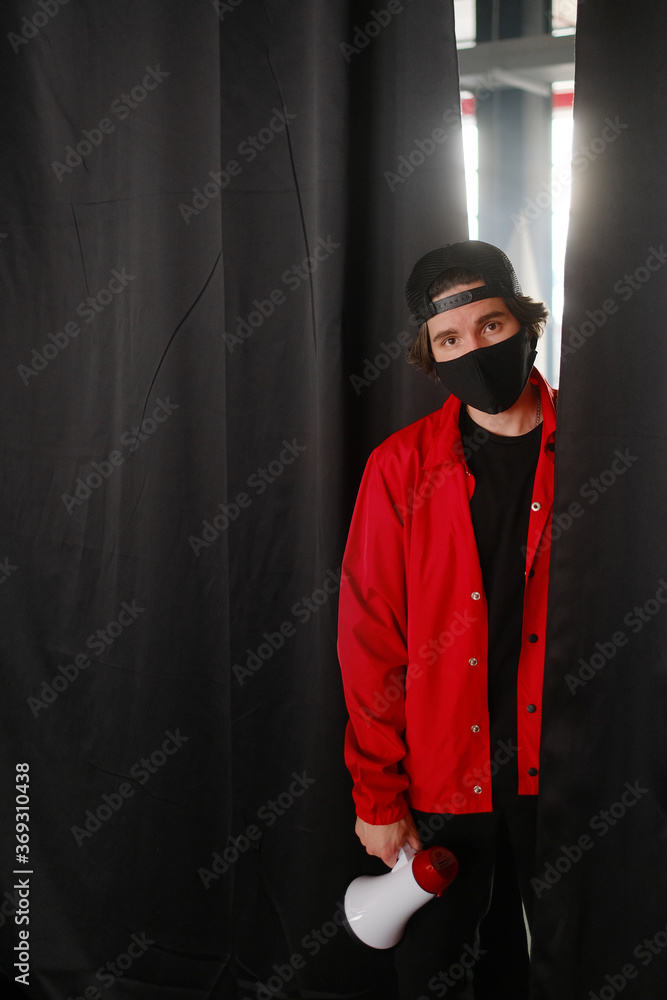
column 519, row 419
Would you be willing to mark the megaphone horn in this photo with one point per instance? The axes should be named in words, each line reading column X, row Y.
column 377, row 907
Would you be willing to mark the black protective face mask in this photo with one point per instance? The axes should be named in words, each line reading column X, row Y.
column 491, row 378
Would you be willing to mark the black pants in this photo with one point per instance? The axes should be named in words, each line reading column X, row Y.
column 441, row 948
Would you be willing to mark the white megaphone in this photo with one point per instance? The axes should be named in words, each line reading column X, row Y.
column 377, row 907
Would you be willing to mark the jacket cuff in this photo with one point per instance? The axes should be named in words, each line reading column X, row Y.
column 384, row 815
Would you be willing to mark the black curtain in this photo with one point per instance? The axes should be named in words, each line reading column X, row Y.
column 601, row 884
column 209, row 211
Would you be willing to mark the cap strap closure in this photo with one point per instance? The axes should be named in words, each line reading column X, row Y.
column 460, row 299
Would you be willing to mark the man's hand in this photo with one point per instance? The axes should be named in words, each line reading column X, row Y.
column 385, row 841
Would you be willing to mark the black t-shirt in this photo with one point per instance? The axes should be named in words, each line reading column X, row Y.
column 504, row 472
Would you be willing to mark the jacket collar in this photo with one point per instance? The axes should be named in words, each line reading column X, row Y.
column 446, row 444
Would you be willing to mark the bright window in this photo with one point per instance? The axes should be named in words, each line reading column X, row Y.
column 561, row 182
column 470, row 148
column 558, row 198
column 563, row 17
column 465, row 14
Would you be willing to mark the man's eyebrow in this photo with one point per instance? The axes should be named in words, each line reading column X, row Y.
column 487, row 316
column 480, row 321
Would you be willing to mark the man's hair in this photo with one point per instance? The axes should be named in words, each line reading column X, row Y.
column 530, row 314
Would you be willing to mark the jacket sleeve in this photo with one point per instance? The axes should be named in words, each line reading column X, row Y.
column 372, row 647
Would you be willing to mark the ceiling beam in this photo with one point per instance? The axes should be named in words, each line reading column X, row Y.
column 530, row 63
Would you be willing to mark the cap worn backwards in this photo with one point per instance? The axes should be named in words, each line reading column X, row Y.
column 484, row 259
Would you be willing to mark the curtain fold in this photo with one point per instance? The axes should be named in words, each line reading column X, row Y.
column 313, row 222
column 601, row 878
column 209, row 211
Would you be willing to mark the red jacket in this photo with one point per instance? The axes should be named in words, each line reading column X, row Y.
column 413, row 626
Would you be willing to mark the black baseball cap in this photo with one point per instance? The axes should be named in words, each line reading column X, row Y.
column 484, row 259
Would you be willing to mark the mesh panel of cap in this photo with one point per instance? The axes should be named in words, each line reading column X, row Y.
column 483, row 258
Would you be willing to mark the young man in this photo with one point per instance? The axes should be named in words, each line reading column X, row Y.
column 443, row 608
